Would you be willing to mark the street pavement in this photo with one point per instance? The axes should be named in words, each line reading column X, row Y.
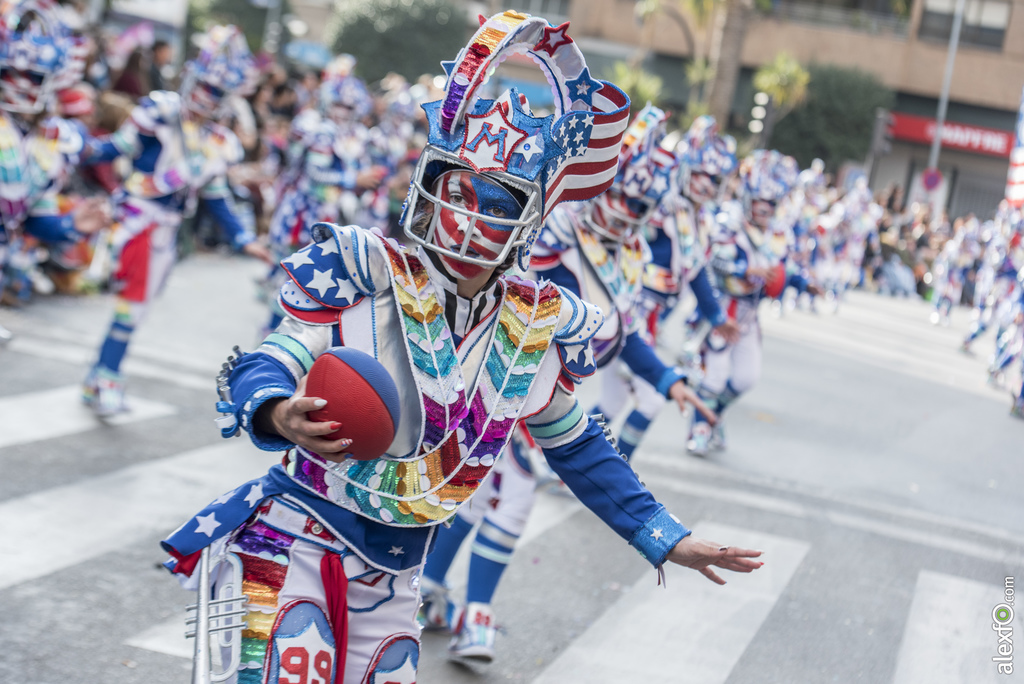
column 873, row 465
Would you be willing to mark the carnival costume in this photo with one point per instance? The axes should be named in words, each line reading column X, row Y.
column 331, row 552
column 327, row 151
column 179, row 157
column 748, row 243
column 678, row 236
column 502, row 515
column 37, row 152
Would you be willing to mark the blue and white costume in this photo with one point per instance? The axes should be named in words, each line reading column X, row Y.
column 744, row 253
column 334, row 549
column 179, row 158
column 36, row 157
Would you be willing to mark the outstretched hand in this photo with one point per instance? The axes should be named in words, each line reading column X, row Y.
column 683, row 395
column 701, row 554
column 91, row 214
column 287, row 418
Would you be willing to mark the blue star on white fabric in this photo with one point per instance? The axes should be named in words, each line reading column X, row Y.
column 255, row 495
column 582, row 89
column 207, row 524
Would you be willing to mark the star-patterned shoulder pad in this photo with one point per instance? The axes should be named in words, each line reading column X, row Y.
column 66, row 136
column 578, row 322
column 339, row 268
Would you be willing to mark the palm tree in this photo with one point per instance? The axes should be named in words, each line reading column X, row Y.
column 785, row 83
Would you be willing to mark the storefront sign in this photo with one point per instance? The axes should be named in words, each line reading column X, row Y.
column 955, row 136
column 1015, row 177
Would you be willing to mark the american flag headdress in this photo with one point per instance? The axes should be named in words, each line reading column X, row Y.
column 767, row 175
column 224, row 65
column 643, row 178
column 571, row 155
column 341, row 87
column 705, row 150
column 35, row 48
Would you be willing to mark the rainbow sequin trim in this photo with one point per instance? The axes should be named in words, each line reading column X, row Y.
column 461, row 439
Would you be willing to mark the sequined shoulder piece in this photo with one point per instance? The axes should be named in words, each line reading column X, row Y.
column 578, row 322
column 338, row 269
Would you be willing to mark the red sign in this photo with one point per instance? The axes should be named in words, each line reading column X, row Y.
column 955, row 136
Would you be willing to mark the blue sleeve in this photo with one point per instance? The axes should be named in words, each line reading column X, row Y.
column 707, row 299
column 225, row 215
column 642, row 360
column 256, row 379
column 605, row 483
column 59, row 228
column 798, row 281
column 100, row 150
column 563, row 277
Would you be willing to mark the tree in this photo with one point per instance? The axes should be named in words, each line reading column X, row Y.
column 785, row 83
column 836, row 120
column 409, row 38
column 202, row 14
column 640, row 86
column 730, row 32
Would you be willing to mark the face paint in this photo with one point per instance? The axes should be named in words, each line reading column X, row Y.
column 761, row 213
column 615, row 215
column 702, row 187
column 476, row 198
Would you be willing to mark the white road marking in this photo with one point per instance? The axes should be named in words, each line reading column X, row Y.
column 949, row 638
column 167, row 637
column 59, row 412
column 55, row 529
column 73, row 353
column 694, row 629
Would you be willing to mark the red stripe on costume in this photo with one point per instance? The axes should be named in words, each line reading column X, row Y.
column 133, row 267
column 332, row 573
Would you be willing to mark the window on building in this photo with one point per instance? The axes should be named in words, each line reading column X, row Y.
column 984, row 25
column 555, row 11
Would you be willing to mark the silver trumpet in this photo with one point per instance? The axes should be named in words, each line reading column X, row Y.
column 219, row 617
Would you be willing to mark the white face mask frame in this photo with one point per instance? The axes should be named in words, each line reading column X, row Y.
column 528, row 221
column 632, row 223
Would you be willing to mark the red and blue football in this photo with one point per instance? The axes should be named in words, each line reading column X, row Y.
column 361, row 395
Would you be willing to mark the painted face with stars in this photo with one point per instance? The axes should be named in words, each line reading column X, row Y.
column 616, row 216
column 460, row 224
column 703, row 187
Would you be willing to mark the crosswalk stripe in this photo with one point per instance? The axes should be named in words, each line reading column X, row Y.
column 59, row 412
column 651, row 631
column 949, row 638
column 64, row 526
column 549, row 510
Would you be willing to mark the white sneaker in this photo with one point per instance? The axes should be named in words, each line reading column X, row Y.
column 475, row 636
column 717, row 441
column 438, row 612
column 700, row 438
column 103, row 392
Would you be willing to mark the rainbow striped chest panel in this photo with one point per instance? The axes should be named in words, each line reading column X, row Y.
column 464, row 429
column 620, row 274
column 29, row 166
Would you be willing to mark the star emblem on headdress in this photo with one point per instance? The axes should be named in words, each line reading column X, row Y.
column 489, row 140
column 583, row 87
column 554, row 37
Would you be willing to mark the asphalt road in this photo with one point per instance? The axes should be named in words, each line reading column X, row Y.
column 872, row 463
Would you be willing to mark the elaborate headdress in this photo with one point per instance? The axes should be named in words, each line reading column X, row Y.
column 767, row 175
column 224, row 67
column 34, row 53
column 341, row 88
column 703, row 149
column 570, row 155
column 644, row 174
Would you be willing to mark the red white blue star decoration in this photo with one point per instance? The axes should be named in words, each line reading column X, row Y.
column 490, row 139
column 554, row 37
column 582, row 88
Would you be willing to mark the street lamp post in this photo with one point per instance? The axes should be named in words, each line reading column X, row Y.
column 940, row 116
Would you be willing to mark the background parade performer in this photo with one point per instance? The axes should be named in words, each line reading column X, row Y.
column 180, row 156
column 333, row 547
column 38, row 151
